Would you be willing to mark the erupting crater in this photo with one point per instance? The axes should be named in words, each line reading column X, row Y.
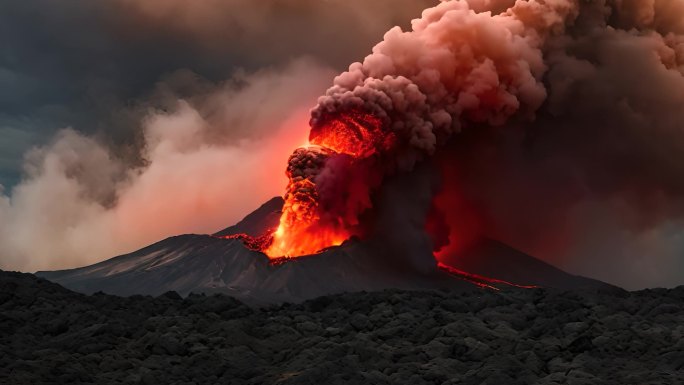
column 312, row 219
column 317, row 213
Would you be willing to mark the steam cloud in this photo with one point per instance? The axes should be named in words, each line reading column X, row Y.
column 80, row 203
column 105, row 58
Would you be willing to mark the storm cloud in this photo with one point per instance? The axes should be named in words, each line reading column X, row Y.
column 91, row 66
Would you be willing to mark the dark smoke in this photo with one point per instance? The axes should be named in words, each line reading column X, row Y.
column 593, row 184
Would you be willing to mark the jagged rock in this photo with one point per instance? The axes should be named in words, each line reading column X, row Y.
column 52, row 335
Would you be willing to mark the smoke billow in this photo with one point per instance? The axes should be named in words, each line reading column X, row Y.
column 544, row 118
column 455, row 69
column 592, row 184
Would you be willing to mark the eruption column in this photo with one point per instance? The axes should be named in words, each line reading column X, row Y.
column 456, row 69
column 301, row 229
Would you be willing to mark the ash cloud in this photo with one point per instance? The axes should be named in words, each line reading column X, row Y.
column 456, row 69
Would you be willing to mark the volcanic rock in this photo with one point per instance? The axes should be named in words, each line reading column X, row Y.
column 389, row 337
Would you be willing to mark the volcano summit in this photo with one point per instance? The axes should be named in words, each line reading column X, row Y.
column 222, row 263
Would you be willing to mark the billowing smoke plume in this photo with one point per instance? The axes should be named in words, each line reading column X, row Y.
column 542, row 116
column 593, row 183
column 455, row 69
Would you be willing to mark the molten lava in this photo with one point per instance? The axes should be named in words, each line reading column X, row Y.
column 302, row 230
column 305, row 226
column 254, row 243
column 353, row 133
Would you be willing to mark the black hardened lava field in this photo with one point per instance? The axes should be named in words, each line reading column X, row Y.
column 50, row 335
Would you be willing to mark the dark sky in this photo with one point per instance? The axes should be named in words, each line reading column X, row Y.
column 94, row 65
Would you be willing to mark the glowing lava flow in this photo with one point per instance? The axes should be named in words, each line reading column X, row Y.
column 306, row 226
column 310, row 223
column 254, row 243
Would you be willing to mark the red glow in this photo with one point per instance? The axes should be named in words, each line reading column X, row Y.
column 354, row 133
column 316, row 214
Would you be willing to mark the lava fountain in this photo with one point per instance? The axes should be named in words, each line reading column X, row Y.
column 311, row 221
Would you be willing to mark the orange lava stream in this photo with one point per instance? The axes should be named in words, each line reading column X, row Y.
column 301, row 231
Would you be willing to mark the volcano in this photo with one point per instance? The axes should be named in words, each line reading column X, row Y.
column 219, row 263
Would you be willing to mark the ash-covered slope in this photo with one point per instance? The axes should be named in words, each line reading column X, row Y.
column 49, row 335
column 206, row 263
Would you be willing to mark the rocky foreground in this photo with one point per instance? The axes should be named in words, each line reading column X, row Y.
column 51, row 335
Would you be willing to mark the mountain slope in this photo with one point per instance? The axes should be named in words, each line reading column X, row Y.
column 202, row 263
column 212, row 263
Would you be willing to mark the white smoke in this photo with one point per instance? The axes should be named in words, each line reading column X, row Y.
column 208, row 162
